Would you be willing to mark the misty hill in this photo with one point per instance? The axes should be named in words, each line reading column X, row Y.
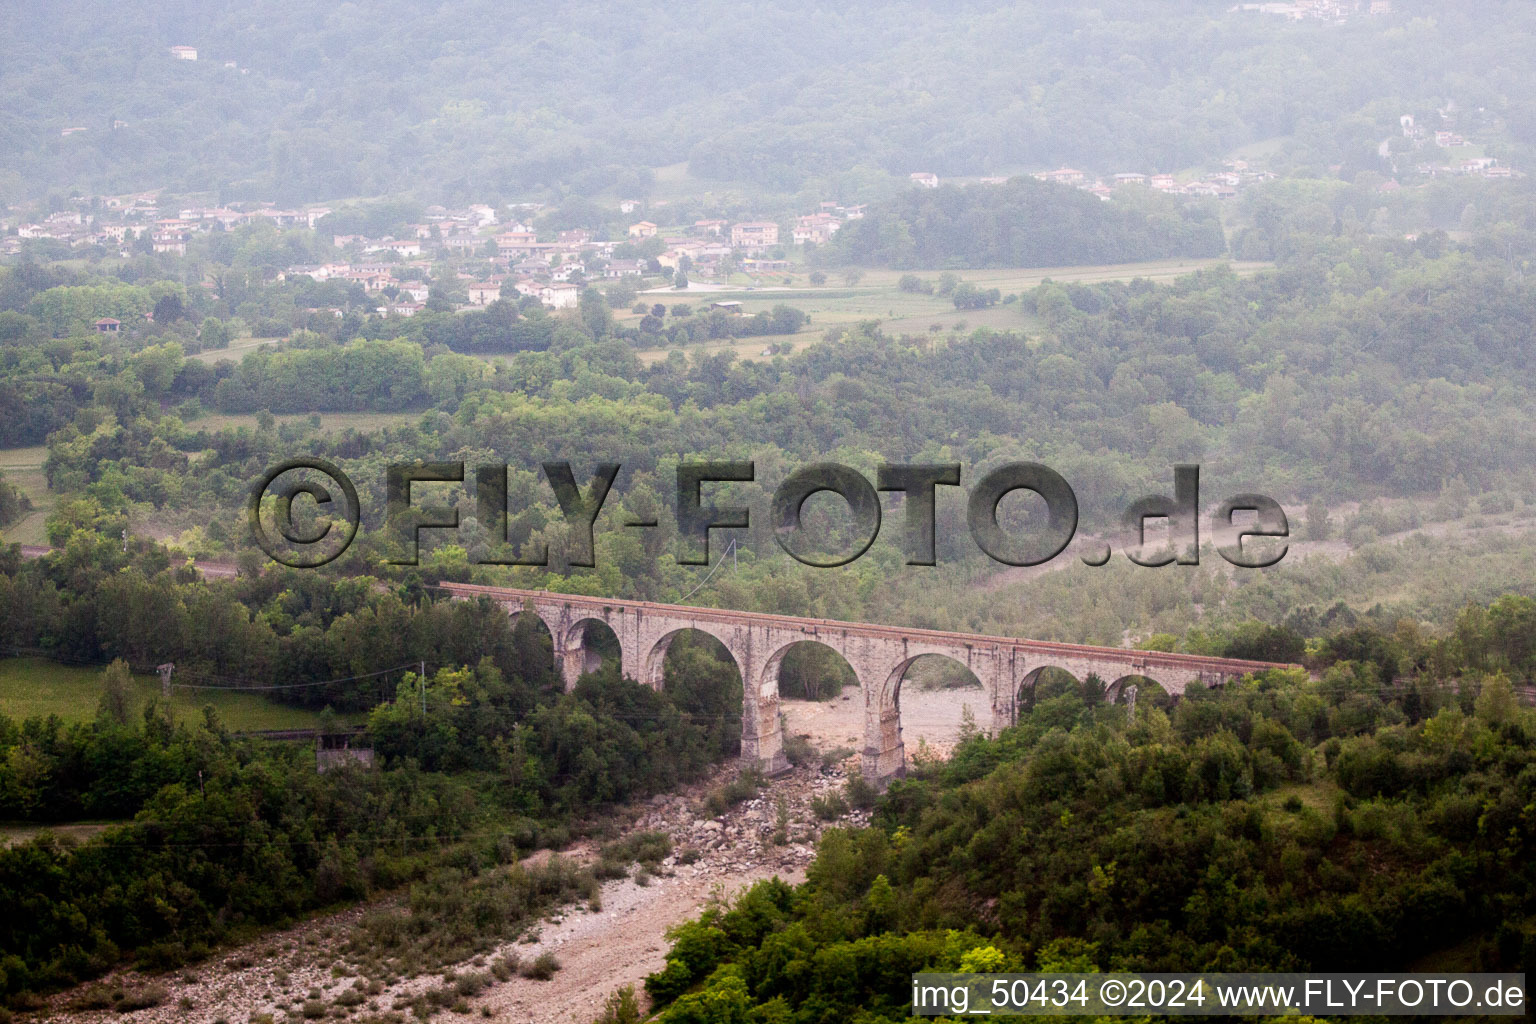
column 464, row 98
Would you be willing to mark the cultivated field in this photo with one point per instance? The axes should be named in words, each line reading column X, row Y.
column 330, row 422
column 24, row 468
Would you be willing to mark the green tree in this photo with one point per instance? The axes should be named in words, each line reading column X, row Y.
column 116, row 703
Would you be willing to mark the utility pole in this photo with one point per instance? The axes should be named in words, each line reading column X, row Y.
column 165, row 677
column 422, row 679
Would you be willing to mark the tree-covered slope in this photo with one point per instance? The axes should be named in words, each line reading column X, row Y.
column 1278, row 825
column 1025, row 223
column 473, row 98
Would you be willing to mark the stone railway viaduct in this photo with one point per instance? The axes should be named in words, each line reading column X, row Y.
column 879, row 656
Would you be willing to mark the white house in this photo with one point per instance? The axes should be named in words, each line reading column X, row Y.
column 483, row 293
column 560, row 295
column 184, row 52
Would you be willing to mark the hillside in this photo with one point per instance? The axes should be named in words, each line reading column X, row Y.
column 469, row 97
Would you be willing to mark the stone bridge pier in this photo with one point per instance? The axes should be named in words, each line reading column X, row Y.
column 879, row 656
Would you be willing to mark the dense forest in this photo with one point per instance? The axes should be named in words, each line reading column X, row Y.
column 1278, row 825
column 483, row 758
column 1025, row 223
column 392, row 98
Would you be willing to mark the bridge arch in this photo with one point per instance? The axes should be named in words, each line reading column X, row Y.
column 579, row 647
column 885, row 736
column 704, row 680
column 1044, row 681
column 1147, row 689
column 650, row 671
column 794, row 653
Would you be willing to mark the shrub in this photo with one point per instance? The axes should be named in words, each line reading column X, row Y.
column 798, row 750
column 861, row 793
column 142, row 998
column 836, row 756
column 622, row 1007
column 829, row 807
column 605, row 869
column 645, row 847
column 742, row 787
column 92, row 997
column 542, row 968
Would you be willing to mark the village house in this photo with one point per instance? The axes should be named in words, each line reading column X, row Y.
column 754, row 234
column 623, row 268
column 371, row 280
column 415, row 291
column 107, row 325
column 516, row 243
column 404, row 247
column 1063, row 176
column 560, row 295
column 286, row 218
column 628, row 205
column 642, row 229
column 405, row 308
column 924, row 178
column 463, row 243
column 483, row 293
column 816, row 228
column 534, row 267
column 184, row 52
column 709, row 227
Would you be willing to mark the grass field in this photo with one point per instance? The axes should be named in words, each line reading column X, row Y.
column 236, row 351
column 24, row 468
column 875, row 296
column 35, row 687
column 330, row 422
column 22, row 832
